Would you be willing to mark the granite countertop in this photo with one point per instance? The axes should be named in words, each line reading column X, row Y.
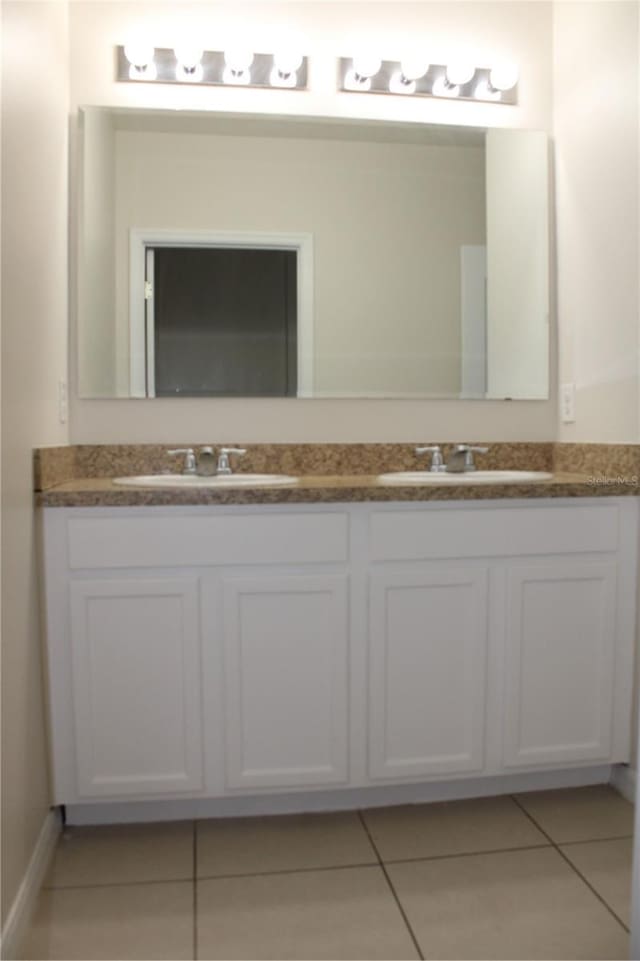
column 321, row 489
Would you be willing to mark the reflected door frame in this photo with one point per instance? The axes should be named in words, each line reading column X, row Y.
column 141, row 333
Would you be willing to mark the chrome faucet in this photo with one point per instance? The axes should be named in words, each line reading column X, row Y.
column 206, row 462
column 460, row 459
column 437, row 463
column 203, row 464
column 223, row 458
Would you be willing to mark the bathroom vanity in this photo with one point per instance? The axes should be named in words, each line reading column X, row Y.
column 217, row 653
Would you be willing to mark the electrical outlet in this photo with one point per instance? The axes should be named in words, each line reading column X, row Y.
column 63, row 402
column 568, row 403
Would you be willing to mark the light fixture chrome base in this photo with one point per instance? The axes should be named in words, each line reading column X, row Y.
column 211, row 71
column 389, row 80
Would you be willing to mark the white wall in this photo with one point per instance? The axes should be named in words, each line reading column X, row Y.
column 517, row 30
column 596, row 116
column 34, row 349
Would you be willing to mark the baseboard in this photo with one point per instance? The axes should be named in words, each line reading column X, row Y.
column 624, row 779
column 123, row 812
column 23, row 906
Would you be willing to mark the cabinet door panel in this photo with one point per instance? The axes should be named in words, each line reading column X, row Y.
column 559, row 663
column 427, row 672
column 286, row 671
column 136, row 686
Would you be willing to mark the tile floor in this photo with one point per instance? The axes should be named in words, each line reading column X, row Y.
column 544, row 875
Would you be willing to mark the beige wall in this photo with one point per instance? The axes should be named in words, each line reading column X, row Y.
column 596, row 127
column 34, row 347
column 596, row 116
column 521, row 31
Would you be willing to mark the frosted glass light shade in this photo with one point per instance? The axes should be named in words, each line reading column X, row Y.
column 413, row 68
column 238, row 59
column 504, row 76
column 139, row 53
column 459, row 73
column 287, row 61
column 188, row 55
column 366, row 65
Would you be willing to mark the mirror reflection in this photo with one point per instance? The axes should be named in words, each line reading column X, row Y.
column 252, row 256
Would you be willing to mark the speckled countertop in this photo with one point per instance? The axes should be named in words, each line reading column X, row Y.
column 82, row 476
column 102, row 492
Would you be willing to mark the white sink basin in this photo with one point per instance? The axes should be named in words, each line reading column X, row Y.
column 472, row 477
column 219, row 480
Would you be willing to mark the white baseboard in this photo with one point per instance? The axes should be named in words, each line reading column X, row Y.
column 123, row 812
column 23, row 906
column 624, row 779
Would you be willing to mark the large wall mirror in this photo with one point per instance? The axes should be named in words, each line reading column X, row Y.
column 228, row 255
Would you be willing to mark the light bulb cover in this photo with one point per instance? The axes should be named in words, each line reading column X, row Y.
column 287, row 62
column 366, row 65
column 483, row 90
column 147, row 73
column 139, row 53
column 188, row 55
column 238, row 59
column 189, row 74
column 279, row 79
column 353, row 81
column 399, row 83
column 413, row 68
column 459, row 73
column 444, row 88
column 504, row 76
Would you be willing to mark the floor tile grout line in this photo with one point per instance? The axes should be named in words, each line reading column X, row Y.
column 615, row 837
column 281, row 871
column 383, row 868
column 330, row 867
column 592, row 888
column 572, row 865
column 115, row 884
column 195, row 890
column 209, row 877
column 467, row 854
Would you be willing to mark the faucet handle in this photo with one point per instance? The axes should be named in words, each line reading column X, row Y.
column 437, row 463
column 223, row 458
column 189, row 458
column 469, row 450
column 233, row 450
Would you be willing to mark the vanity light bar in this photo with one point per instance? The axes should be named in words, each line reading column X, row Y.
column 387, row 77
column 215, row 68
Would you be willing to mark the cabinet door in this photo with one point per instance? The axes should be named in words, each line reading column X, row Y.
column 136, row 686
column 428, row 653
column 559, row 663
column 286, row 671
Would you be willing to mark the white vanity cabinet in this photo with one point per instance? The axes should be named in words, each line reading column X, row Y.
column 286, row 667
column 427, row 671
column 135, row 659
column 221, row 652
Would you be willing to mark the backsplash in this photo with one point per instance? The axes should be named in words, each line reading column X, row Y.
column 608, row 460
column 56, row 465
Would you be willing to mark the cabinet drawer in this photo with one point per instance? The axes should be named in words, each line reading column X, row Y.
column 112, row 542
column 425, row 534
